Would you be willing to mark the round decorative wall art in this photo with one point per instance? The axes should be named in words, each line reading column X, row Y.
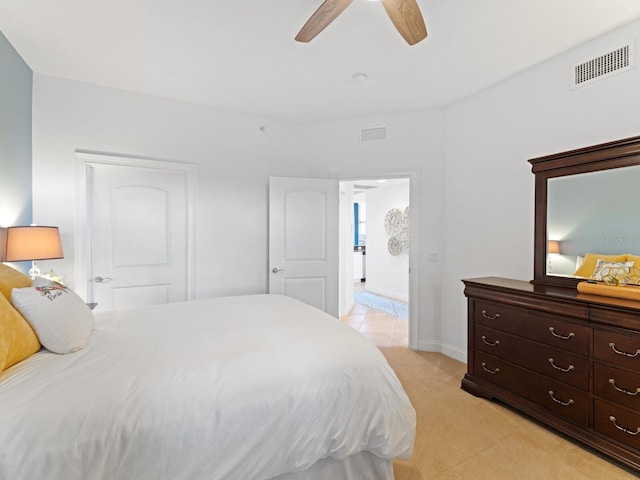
column 393, row 222
column 394, row 246
column 396, row 224
column 403, row 238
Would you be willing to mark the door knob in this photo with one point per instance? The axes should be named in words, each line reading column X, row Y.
column 100, row 279
column 276, row 270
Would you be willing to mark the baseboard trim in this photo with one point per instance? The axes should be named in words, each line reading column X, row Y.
column 429, row 346
column 448, row 350
column 454, row 352
column 393, row 295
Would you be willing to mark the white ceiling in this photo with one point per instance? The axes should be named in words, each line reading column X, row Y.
column 241, row 55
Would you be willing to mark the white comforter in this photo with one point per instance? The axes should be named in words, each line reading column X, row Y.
column 245, row 388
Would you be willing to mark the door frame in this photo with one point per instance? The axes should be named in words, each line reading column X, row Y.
column 88, row 160
column 414, row 239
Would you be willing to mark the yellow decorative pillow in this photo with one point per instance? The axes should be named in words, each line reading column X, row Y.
column 11, row 278
column 634, row 272
column 17, row 339
column 591, row 259
column 633, row 258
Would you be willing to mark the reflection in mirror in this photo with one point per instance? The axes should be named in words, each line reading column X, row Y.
column 594, row 212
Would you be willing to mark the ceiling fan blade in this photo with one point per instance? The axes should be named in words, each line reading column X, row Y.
column 406, row 16
column 326, row 13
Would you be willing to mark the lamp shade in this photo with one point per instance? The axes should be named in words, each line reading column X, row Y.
column 32, row 243
column 553, row 247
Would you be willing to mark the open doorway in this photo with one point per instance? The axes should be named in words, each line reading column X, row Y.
column 374, row 233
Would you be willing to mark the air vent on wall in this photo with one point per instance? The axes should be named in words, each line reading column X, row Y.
column 603, row 66
column 373, row 134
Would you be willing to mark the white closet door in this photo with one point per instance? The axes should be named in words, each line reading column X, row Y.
column 139, row 236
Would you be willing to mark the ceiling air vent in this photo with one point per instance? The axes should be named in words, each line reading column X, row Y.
column 373, row 134
column 604, row 66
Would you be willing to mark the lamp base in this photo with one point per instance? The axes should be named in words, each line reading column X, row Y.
column 34, row 271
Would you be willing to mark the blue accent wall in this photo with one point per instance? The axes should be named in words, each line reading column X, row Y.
column 16, row 85
column 16, row 196
column 356, row 222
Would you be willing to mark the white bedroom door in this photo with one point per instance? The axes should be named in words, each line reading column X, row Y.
column 138, row 236
column 303, row 240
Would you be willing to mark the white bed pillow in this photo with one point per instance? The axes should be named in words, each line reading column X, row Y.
column 60, row 318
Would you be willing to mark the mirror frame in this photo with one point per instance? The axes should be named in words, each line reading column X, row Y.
column 605, row 156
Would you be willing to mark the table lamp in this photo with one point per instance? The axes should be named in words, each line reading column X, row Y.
column 33, row 243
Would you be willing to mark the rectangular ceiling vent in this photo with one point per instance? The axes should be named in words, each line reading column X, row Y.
column 373, row 134
column 603, row 66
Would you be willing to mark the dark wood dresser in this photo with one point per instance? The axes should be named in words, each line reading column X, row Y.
column 567, row 359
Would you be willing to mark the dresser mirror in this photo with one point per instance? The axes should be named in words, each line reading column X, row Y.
column 585, row 202
column 594, row 212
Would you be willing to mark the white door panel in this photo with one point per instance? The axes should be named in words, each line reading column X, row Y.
column 303, row 240
column 136, row 296
column 304, row 225
column 140, row 226
column 138, row 235
column 309, row 290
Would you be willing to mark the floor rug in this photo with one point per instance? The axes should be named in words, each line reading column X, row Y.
column 386, row 305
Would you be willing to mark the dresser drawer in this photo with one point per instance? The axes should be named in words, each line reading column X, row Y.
column 552, row 330
column 618, row 423
column 617, row 386
column 570, row 403
column 560, row 365
column 617, row 348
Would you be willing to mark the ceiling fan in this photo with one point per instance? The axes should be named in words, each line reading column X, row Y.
column 405, row 15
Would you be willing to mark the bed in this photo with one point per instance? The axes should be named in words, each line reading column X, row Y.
column 246, row 387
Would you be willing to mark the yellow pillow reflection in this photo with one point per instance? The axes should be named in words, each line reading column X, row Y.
column 591, row 259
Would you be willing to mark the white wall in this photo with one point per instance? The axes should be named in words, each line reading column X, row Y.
column 387, row 274
column 475, row 190
column 234, row 158
column 414, row 146
column 489, row 187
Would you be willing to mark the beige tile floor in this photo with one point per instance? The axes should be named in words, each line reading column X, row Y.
column 382, row 329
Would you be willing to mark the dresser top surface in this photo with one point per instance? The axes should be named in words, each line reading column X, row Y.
column 552, row 292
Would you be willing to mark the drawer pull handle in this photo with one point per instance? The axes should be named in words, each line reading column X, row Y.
column 561, row 337
column 568, row 369
column 494, row 344
column 630, row 432
column 490, row 317
column 625, row 354
column 564, row 404
column 622, row 390
column 492, row 372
